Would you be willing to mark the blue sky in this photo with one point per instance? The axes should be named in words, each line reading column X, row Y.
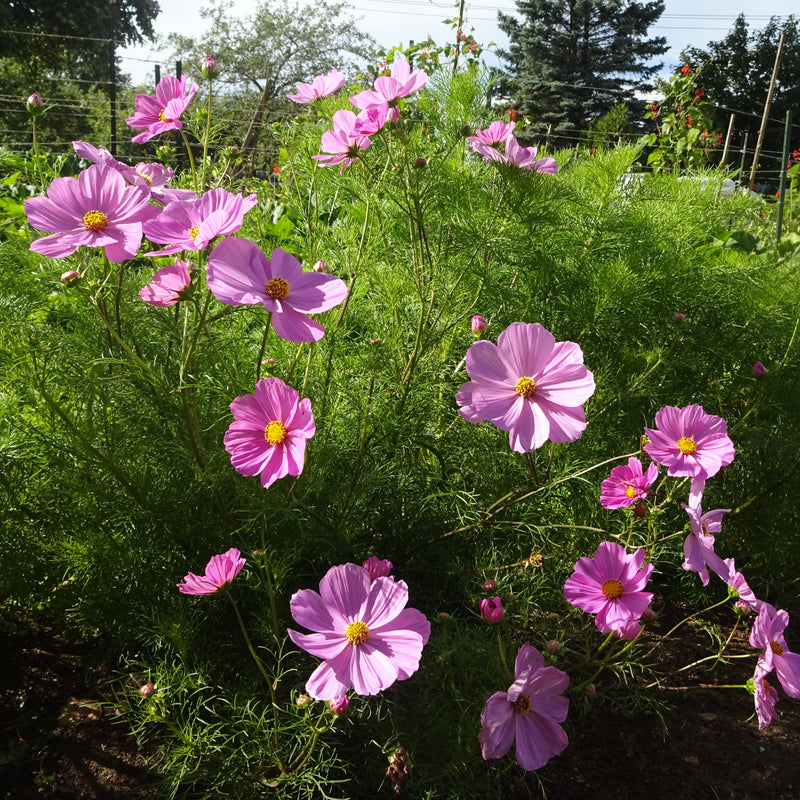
column 684, row 23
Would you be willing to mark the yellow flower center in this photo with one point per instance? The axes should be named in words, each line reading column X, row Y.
column 161, row 116
column 630, row 492
column 525, row 387
column 275, row 433
column 277, row 288
column 776, row 648
column 146, row 178
column 356, row 632
column 686, row 445
column 193, row 231
column 95, row 221
column 522, row 705
column 612, row 589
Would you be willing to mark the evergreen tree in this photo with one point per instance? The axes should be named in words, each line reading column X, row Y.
column 570, row 61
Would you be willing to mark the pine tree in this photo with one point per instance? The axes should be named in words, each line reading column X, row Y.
column 570, row 61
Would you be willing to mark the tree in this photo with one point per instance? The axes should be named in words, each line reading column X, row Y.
column 737, row 73
column 281, row 45
column 570, row 61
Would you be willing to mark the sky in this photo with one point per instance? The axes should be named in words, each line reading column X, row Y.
column 684, row 23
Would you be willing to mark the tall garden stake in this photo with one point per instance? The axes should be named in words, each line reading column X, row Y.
column 766, row 113
column 787, row 132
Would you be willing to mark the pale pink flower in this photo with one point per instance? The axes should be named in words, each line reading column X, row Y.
column 320, row 86
column 344, row 142
column 611, row 586
column 220, row 571
column 269, row 431
column 627, row 484
column 362, row 629
column 698, row 548
column 161, row 112
column 238, row 273
column 97, row 209
column 185, row 225
column 765, row 698
column 527, row 384
column 497, row 133
column 372, row 120
column 391, row 88
column 528, row 713
column 168, row 285
column 689, row 442
column 525, row 158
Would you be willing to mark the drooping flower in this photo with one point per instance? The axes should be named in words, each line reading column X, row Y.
column 689, row 442
column 361, row 628
column 185, row 225
column 492, row 609
column 527, row 384
column 698, row 547
column 269, row 431
column 97, row 209
column 741, row 589
column 161, row 112
column 611, row 586
column 765, row 698
column 391, row 88
column 767, row 633
column 344, row 142
column 627, row 484
column 320, row 86
column 167, row 286
column 220, row 571
column 377, row 567
column 529, row 713
column 239, row 274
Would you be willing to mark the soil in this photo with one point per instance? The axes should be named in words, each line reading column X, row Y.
column 58, row 741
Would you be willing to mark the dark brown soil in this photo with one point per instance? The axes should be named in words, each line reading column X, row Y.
column 57, row 741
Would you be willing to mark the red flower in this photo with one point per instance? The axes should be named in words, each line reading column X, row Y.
column 276, row 169
column 686, row 69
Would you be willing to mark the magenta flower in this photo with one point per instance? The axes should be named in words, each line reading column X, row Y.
column 220, row 571
column 689, row 442
column 698, row 548
column 496, row 133
column 492, row 609
column 239, row 274
column 479, row 326
column 611, row 586
column 736, row 581
column 345, row 141
column 525, row 158
column 528, row 713
column 362, row 629
column 627, row 484
column 767, row 633
column 759, row 370
column 269, row 430
column 527, row 384
column 185, row 225
column 161, row 112
column 168, row 285
column 377, row 567
column 321, row 86
column 97, row 209
column 765, row 698
column 391, row 88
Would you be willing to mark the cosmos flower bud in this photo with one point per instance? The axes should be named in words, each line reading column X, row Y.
column 320, row 266
column 492, row 610
column 759, row 370
column 377, row 567
column 648, row 615
column 590, row 691
column 209, row 69
column 479, row 325
column 680, row 316
column 490, row 585
column 421, row 162
column 302, row 701
column 553, row 646
column 147, row 689
column 69, row 276
column 340, row 705
column 35, row 105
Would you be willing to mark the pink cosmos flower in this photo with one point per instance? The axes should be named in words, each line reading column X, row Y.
column 377, row 567
column 321, row 86
column 239, row 274
column 698, row 547
column 528, row 713
column 767, row 633
column 765, row 698
column 161, row 112
column 527, row 384
column 492, row 609
column 525, row 158
column 362, row 629
column 372, row 120
column 269, row 430
column 345, row 141
column 220, row 571
column 187, row 225
column 391, row 88
column 610, row 585
column 97, row 209
column 496, row 133
column 627, row 484
column 168, row 284
column 736, row 581
column 689, row 442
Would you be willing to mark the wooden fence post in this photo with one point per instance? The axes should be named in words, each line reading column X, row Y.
column 766, row 112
